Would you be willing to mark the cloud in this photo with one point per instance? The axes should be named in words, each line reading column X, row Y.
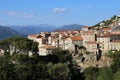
column 60, row 10
column 19, row 14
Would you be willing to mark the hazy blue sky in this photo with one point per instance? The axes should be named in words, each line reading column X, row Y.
column 57, row 12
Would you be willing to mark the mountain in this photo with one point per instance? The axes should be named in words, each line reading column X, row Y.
column 6, row 32
column 33, row 29
column 70, row 27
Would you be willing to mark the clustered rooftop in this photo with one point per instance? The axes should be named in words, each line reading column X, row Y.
column 93, row 39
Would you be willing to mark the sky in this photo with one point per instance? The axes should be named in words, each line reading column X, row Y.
column 57, row 12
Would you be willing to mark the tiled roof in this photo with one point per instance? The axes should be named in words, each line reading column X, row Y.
column 63, row 34
column 85, row 27
column 53, row 36
column 106, row 29
column 115, row 33
column 103, row 35
column 33, row 35
column 91, row 42
column 115, row 41
column 77, row 38
column 48, row 47
column 88, row 32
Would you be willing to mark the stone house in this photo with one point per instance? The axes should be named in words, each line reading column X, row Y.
column 88, row 35
column 77, row 40
column 46, row 50
column 115, row 45
column 85, row 28
column 103, row 41
column 91, row 46
column 68, row 44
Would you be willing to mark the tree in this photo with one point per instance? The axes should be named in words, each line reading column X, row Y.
column 117, row 75
column 91, row 73
column 75, row 72
column 58, row 71
column 41, row 71
column 20, row 43
column 23, row 72
column 115, row 67
column 64, row 56
column 105, row 73
column 7, row 69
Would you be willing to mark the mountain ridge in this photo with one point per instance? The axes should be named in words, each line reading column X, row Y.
column 70, row 27
column 33, row 29
column 6, row 32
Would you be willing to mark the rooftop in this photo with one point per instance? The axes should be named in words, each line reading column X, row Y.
column 91, row 42
column 77, row 38
column 48, row 47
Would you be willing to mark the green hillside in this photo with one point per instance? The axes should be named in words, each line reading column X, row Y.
column 107, row 23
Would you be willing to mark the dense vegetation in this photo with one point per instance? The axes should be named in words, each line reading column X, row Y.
column 51, row 67
column 58, row 66
column 105, row 73
column 106, row 22
column 20, row 43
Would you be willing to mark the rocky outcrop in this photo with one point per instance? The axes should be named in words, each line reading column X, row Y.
column 1, row 52
column 13, row 49
column 90, row 59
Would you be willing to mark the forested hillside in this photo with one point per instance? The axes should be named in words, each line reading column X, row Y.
column 107, row 22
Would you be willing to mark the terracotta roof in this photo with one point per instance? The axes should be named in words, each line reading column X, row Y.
column 103, row 35
column 39, row 36
column 91, row 42
column 106, row 29
column 87, row 32
column 115, row 33
column 115, row 41
column 53, row 36
column 85, row 27
column 48, row 47
column 33, row 35
column 77, row 38
column 63, row 34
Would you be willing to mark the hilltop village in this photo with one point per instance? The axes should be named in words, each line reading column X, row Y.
column 88, row 53
column 88, row 45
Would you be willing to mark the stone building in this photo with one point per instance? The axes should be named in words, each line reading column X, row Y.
column 45, row 50
column 91, row 46
column 115, row 38
column 77, row 40
column 88, row 35
column 103, row 41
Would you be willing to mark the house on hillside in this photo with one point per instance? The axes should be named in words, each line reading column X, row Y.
column 46, row 50
column 88, row 36
column 91, row 46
